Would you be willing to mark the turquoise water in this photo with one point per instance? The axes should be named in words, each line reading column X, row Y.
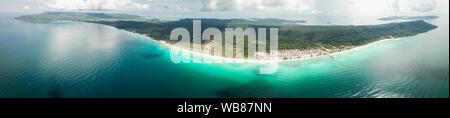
column 70, row 59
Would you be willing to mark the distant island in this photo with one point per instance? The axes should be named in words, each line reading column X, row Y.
column 409, row 18
column 81, row 17
column 296, row 41
column 275, row 21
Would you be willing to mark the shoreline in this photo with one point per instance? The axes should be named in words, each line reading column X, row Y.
column 200, row 55
column 321, row 53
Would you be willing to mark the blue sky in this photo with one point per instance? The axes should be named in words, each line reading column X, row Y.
column 234, row 8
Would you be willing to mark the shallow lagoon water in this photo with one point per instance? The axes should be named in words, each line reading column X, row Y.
column 72, row 59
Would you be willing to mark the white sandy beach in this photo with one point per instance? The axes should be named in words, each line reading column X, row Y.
column 283, row 55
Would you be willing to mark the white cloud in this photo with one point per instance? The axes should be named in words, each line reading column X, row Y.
column 390, row 6
column 26, row 7
column 395, row 5
column 416, row 5
column 179, row 8
column 41, row 8
column 96, row 5
column 168, row 6
column 400, row 5
column 424, row 5
column 300, row 6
